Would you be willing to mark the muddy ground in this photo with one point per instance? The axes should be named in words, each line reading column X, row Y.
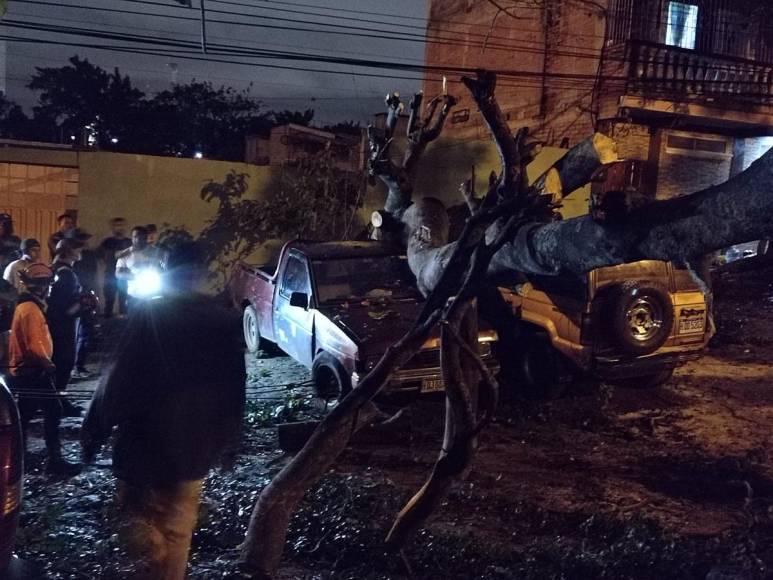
column 670, row 483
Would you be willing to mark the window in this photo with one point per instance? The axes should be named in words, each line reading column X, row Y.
column 695, row 146
column 682, row 24
column 295, row 278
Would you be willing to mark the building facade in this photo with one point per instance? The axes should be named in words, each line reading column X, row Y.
column 289, row 143
column 685, row 87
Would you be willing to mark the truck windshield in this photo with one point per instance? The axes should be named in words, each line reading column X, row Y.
column 360, row 278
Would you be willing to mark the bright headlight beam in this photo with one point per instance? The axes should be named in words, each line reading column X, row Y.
column 146, row 284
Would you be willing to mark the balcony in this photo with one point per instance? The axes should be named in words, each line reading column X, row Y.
column 668, row 70
column 657, row 78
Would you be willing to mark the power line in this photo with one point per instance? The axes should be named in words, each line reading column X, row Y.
column 350, row 31
column 133, row 50
column 228, row 50
column 535, row 48
column 198, row 34
column 512, row 48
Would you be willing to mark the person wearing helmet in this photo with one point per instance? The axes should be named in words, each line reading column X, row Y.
column 64, row 309
column 30, row 254
column 9, row 243
column 176, row 392
column 32, row 368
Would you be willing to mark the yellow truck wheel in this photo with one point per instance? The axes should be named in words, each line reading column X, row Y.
column 541, row 371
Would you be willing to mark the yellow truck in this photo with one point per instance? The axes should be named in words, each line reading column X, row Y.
column 631, row 324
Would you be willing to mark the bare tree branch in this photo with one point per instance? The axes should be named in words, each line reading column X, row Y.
column 455, row 456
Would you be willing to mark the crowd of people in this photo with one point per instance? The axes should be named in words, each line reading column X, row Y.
column 174, row 387
column 55, row 308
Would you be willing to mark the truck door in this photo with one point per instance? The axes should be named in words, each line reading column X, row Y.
column 293, row 325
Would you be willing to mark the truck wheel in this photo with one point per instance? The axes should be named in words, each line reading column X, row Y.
column 331, row 381
column 641, row 317
column 540, row 371
column 251, row 329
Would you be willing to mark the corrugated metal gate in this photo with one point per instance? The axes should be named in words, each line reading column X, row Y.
column 35, row 195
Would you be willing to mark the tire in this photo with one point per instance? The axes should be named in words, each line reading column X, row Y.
column 331, row 381
column 540, row 370
column 640, row 315
column 250, row 327
column 649, row 381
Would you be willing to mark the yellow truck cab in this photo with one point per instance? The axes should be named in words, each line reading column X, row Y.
column 631, row 324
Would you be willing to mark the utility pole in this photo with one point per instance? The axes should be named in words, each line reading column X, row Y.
column 203, row 28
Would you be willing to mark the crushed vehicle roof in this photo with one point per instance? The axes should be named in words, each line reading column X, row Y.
column 351, row 249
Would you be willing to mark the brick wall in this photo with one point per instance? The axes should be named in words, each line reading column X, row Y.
column 680, row 174
column 569, row 34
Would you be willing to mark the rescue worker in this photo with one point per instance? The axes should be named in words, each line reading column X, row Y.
column 66, row 223
column 109, row 250
column 30, row 254
column 32, row 368
column 9, row 243
column 64, row 308
column 176, row 392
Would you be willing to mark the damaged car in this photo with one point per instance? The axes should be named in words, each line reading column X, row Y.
column 336, row 307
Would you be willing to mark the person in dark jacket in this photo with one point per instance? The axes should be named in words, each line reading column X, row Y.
column 86, row 269
column 176, row 392
column 109, row 249
column 64, row 308
column 66, row 223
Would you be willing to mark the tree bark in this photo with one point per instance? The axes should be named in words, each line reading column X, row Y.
column 681, row 229
column 462, row 373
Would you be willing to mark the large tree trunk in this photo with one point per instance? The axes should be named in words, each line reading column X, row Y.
column 683, row 229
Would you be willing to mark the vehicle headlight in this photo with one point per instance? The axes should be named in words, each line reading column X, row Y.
column 146, row 284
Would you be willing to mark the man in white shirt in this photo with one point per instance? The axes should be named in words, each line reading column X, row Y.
column 140, row 256
column 30, row 249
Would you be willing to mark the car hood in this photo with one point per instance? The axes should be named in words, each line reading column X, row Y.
column 373, row 325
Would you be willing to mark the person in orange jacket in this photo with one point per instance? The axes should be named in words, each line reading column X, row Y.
column 32, row 370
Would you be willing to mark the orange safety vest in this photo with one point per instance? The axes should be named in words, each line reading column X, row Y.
column 30, row 346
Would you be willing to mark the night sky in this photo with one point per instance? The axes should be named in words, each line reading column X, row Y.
column 335, row 97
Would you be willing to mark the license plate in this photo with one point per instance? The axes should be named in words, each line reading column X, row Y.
column 432, row 385
column 691, row 325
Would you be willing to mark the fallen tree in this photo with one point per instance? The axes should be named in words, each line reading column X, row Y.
column 512, row 229
column 681, row 229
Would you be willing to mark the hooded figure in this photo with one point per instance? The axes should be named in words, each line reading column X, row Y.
column 176, row 392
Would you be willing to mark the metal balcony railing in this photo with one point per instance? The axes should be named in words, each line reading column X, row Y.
column 661, row 71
